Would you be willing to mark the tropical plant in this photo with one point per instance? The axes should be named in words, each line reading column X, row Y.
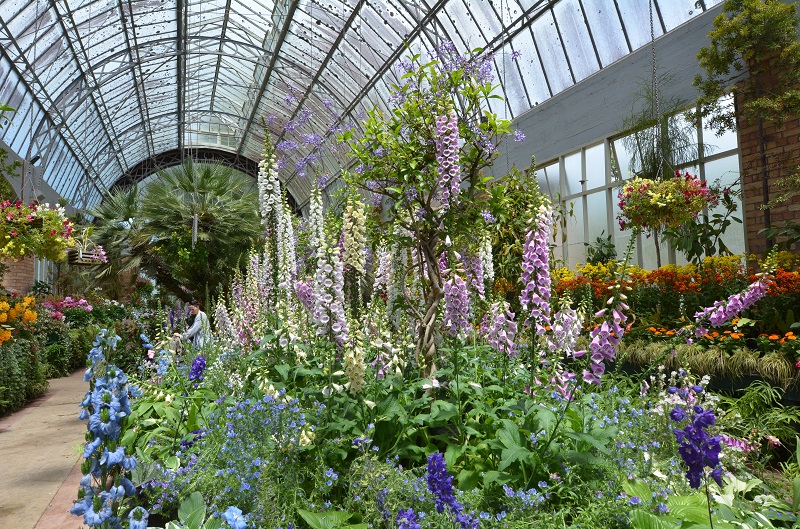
column 189, row 228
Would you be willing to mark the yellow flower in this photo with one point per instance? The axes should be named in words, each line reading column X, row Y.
column 29, row 316
column 3, row 317
column 4, row 306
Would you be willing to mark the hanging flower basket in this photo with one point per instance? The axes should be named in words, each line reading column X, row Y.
column 78, row 256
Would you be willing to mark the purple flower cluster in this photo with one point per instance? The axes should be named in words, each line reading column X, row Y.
column 535, row 297
column 198, row 367
column 502, row 330
column 457, row 309
column 447, row 158
column 305, row 293
column 407, row 519
column 440, row 483
column 605, row 340
column 566, row 327
column 697, row 448
column 473, row 267
column 723, row 311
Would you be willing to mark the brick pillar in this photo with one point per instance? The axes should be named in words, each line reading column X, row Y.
column 19, row 276
column 781, row 151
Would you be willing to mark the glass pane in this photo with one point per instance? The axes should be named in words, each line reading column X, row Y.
column 714, row 143
column 606, row 30
column 597, row 213
column 621, row 163
column 575, row 233
column 676, row 12
column 636, row 16
column 573, row 174
column 595, row 166
column 547, row 178
column 576, row 39
column 552, row 53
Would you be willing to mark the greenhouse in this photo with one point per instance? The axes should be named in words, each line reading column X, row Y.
column 376, row 264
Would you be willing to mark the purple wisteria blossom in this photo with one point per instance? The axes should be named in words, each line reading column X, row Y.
column 723, row 311
column 535, row 296
column 457, row 308
column 502, row 330
column 447, row 158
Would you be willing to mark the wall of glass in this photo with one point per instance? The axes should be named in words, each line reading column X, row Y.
column 587, row 182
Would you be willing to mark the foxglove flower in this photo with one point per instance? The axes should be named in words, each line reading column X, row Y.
column 457, row 308
column 354, row 231
column 316, row 219
column 473, row 267
column 485, row 254
column 329, row 314
column 305, row 293
column 535, row 296
column 502, row 330
column 354, row 367
column 566, row 327
column 447, row 158
column 723, row 311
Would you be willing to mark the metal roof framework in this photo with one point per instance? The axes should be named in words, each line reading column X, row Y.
column 107, row 88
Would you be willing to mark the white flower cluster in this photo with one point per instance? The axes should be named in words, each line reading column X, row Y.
column 224, row 326
column 354, row 232
column 287, row 258
column 329, row 313
column 383, row 271
column 485, row 254
column 354, row 367
column 269, row 188
column 316, row 220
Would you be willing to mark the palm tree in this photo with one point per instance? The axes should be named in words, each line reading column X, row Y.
column 156, row 231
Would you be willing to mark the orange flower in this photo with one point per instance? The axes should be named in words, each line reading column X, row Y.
column 774, row 337
column 670, row 333
column 792, row 337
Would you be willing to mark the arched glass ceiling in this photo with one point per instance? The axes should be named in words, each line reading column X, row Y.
column 100, row 86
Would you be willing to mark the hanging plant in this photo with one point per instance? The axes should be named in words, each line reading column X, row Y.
column 39, row 230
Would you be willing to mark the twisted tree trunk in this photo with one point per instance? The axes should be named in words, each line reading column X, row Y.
column 432, row 289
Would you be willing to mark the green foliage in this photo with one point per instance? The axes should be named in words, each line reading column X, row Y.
column 759, row 38
column 757, row 413
column 22, row 374
column 152, row 231
column 192, row 515
column 701, row 237
column 601, row 251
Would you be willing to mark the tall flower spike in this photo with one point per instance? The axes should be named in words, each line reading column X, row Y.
column 447, row 158
column 502, row 330
column 535, row 297
column 485, row 254
column 457, row 308
column 315, row 218
column 354, row 231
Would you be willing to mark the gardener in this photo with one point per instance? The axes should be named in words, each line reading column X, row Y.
column 198, row 326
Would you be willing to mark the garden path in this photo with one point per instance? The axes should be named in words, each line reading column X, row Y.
column 40, row 459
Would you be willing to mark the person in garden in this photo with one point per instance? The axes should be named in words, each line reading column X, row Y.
column 197, row 322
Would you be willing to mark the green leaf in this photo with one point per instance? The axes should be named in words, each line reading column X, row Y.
column 283, row 371
column 495, row 477
column 191, row 508
column 796, row 494
column 468, row 479
column 644, row 520
column 213, row 523
column 689, row 508
column 324, row 520
column 443, row 411
column 452, row 454
column 599, row 444
column 509, row 435
column 513, row 454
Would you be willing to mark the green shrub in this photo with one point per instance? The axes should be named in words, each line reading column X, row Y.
column 22, row 375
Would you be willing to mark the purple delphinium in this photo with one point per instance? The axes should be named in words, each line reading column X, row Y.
column 440, row 483
column 697, row 448
column 723, row 311
column 198, row 367
column 457, row 309
column 447, row 158
column 535, row 296
column 407, row 519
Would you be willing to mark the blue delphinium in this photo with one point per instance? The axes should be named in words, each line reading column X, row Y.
column 198, row 367
column 697, row 448
column 407, row 519
column 138, row 518
column 440, row 483
column 104, row 486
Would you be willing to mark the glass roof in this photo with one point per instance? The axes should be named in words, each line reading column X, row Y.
column 101, row 86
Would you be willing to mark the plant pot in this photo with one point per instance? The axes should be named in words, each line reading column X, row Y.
column 82, row 257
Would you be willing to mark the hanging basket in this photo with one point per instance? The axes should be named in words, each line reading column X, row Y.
column 37, row 222
column 77, row 256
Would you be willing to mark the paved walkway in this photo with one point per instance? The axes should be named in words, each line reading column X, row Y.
column 40, row 455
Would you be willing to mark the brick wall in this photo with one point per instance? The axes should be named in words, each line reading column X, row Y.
column 19, row 276
column 781, row 154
